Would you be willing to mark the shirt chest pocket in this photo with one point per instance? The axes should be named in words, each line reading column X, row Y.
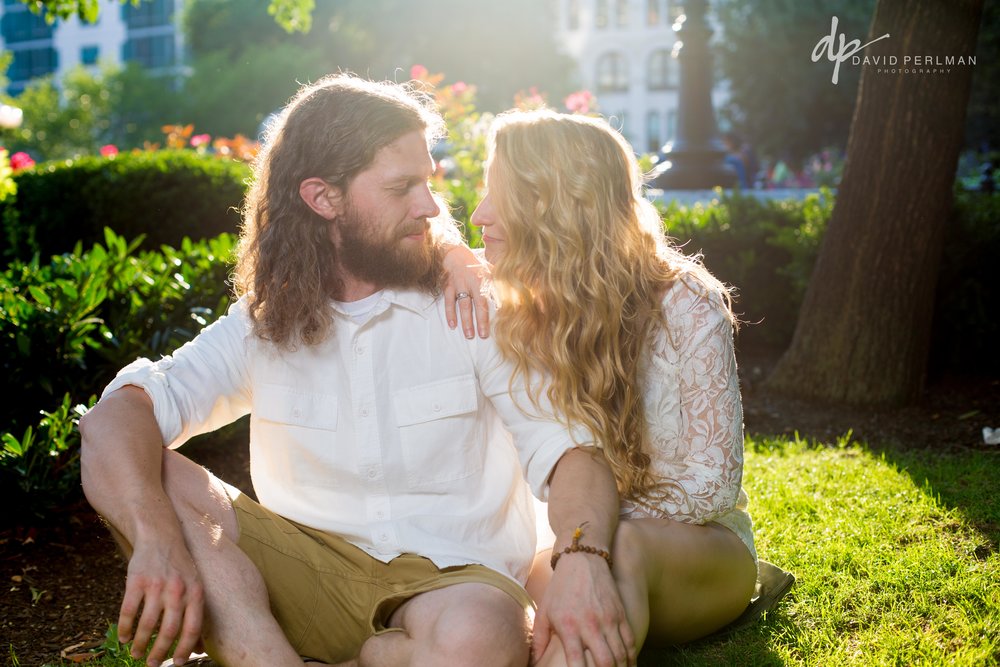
column 295, row 434
column 438, row 430
column 285, row 405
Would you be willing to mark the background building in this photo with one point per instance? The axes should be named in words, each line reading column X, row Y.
column 149, row 34
column 623, row 50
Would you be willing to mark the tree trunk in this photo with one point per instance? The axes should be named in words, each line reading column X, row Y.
column 863, row 333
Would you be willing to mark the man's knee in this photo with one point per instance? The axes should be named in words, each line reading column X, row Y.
column 196, row 495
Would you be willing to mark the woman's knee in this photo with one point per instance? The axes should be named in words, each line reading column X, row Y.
column 629, row 552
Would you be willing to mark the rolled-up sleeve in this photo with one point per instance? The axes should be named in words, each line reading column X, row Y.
column 540, row 438
column 202, row 386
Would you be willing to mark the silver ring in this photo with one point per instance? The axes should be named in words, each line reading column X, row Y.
column 462, row 295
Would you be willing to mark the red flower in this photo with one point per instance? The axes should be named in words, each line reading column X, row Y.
column 200, row 139
column 109, row 150
column 21, row 160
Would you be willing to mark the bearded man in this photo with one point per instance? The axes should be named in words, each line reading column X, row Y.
column 394, row 524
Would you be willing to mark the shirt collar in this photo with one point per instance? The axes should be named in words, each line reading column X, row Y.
column 416, row 300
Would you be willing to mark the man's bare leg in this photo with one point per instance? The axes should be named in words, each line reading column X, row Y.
column 239, row 628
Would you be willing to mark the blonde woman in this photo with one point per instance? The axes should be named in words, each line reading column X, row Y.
column 637, row 341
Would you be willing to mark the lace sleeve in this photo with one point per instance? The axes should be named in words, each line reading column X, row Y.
column 704, row 472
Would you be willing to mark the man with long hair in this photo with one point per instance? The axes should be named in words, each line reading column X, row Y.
column 394, row 522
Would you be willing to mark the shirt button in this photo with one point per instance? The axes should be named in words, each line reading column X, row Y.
column 364, row 412
column 359, row 351
column 380, row 515
column 296, row 412
column 372, row 473
column 437, row 407
column 383, row 537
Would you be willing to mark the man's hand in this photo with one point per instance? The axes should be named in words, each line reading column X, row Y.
column 465, row 274
column 583, row 607
column 165, row 584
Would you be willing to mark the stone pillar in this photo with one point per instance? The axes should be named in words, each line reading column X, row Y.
column 695, row 159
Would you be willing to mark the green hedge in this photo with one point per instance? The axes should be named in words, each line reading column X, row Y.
column 765, row 249
column 164, row 195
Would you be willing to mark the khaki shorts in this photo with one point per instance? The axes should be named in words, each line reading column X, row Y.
column 328, row 595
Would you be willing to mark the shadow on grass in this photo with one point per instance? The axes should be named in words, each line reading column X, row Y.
column 960, row 478
column 749, row 646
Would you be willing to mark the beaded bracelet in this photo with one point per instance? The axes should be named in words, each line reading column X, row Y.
column 576, row 546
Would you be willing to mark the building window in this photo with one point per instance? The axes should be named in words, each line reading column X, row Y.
column 654, row 132
column 31, row 63
column 24, row 27
column 612, row 72
column 89, row 54
column 573, row 15
column 148, row 14
column 672, row 125
column 621, row 13
column 653, row 12
column 151, row 52
column 658, row 70
column 601, row 18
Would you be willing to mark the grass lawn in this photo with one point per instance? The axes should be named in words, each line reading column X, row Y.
column 895, row 554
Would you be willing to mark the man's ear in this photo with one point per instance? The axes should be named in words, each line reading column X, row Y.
column 325, row 199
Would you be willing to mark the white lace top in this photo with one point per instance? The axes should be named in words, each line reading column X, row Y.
column 695, row 416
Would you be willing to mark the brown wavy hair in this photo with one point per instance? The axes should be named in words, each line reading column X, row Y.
column 287, row 263
column 582, row 275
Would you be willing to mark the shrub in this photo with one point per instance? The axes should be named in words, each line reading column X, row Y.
column 967, row 304
column 41, row 469
column 67, row 326
column 56, row 319
column 163, row 195
column 766, row 249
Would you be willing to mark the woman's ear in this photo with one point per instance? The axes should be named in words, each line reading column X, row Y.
column 326, row 200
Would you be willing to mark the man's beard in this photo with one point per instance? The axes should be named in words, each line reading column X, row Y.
column 387, row 260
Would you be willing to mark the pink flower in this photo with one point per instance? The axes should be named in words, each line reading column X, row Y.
column 200, row 140
column 579, row 102
column 109, row 150
column 459, row 87
column 418, row 72
column 21, row 160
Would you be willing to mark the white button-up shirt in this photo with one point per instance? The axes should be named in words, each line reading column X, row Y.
column 395, row 434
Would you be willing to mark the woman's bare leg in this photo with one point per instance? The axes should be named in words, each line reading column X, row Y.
column 678, row 581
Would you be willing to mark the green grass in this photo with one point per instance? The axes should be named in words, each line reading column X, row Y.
column 894, row 551
column 895, row 554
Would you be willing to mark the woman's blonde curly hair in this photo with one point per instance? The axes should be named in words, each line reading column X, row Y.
column 582, row 275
